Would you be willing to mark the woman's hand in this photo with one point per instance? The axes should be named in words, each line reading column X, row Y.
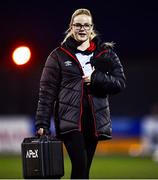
column 87, row 79
column 40, row 131
column 43, row 131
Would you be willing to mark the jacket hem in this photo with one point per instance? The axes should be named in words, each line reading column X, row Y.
column 104, row 137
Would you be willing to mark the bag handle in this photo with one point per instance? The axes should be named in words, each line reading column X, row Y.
column 47, row 137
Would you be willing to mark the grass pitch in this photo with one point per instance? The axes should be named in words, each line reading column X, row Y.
column 103, row 167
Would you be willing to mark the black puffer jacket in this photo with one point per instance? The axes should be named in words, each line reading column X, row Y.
column 61, row 89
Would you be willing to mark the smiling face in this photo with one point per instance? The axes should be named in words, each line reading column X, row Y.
column 81, row 28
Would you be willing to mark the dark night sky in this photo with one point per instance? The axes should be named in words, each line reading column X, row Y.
column 132, row 25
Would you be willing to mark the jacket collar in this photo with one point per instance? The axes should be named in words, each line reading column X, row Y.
column 71, row 44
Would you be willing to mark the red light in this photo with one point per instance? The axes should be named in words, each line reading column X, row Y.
column 21, row 55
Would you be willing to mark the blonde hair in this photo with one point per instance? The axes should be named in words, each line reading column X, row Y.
column 78, row 12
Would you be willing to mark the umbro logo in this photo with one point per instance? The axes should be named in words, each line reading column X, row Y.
column 68, row 63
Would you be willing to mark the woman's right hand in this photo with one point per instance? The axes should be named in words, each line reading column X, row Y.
column 40, row 131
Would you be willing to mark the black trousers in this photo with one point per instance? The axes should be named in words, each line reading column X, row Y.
column 81, row 146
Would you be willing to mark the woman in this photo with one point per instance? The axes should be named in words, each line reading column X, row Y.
column 75, row 84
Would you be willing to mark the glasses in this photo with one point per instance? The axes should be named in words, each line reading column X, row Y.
column 78, row 26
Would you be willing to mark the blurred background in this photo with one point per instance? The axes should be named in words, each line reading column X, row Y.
column 40, row 25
